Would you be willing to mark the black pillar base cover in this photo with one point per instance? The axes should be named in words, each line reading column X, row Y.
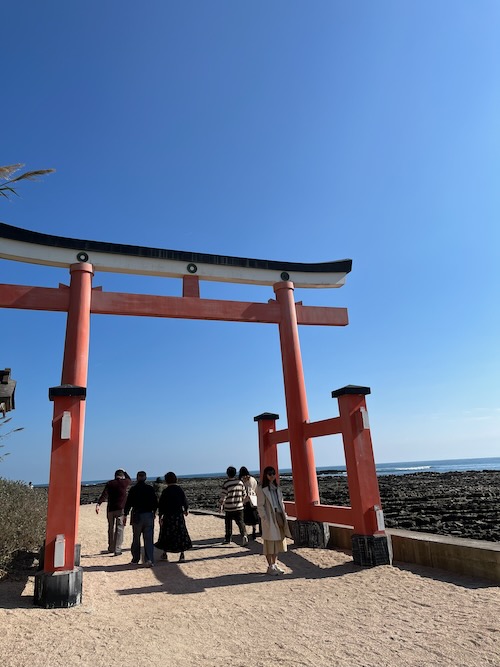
column 310, row 533
column 371, row 550
column 58, row 589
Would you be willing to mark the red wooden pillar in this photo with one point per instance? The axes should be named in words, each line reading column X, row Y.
column 305, row 481
column 268, row 453
column 67, row 451
column 370, row 546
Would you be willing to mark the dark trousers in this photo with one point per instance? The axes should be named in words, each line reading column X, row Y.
column 237, row 516
column 143, row 525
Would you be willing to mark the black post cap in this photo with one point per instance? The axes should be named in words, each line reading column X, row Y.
column 266, row 415
column 351, row 389
column 68, row 390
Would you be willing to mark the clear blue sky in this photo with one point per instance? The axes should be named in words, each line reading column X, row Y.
column 279, row 130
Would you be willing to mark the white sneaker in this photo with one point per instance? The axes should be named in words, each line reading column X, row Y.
column 280, row 569
column 272, row 571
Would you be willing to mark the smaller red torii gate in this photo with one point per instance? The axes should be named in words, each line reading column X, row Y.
column 364, row 515
column 60, row 583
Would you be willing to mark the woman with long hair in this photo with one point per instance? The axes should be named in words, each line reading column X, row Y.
column 172, row 509
column 273, row 518
column 250, row 514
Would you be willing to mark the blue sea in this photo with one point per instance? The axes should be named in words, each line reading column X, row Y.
column 397, row 468
column 447, row 465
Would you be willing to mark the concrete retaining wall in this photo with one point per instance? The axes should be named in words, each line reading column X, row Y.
column 474, row 558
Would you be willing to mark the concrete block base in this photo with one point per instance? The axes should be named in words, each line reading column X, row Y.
column 310, row 533
column 58, row 589
column 370, row 550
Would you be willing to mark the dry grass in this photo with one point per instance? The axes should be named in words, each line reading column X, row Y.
column 22, row 519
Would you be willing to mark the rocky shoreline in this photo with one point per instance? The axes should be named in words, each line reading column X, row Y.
column 462, row 504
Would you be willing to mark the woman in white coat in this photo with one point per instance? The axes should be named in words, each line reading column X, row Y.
column 273, row 518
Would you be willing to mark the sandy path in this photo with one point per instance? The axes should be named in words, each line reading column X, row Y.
column 220, row 609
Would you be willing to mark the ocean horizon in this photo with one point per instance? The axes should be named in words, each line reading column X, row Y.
column 394, row 468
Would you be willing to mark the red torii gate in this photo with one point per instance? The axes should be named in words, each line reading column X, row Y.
column 60, row 583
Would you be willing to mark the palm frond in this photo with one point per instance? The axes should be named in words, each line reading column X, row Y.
column 8, row 189
column 32, row 175
column 6, row 173
column 8, row 170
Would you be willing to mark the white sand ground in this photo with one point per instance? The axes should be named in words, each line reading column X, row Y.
column 220, row 609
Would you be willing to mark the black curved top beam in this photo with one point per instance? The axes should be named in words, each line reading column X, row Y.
column 38, row 248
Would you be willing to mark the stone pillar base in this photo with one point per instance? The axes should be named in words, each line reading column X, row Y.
column 370, row 550
column 310, row 533
column 58, row 589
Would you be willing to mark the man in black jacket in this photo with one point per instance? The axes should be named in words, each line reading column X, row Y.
column 142, row 501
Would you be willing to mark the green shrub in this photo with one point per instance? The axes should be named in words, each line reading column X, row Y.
column 23, row 513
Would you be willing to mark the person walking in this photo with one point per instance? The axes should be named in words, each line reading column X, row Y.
column 233, row 494
column 250, row 514
column 172, row 509
column 115, row 493
column 273, row 518
column 143, row 502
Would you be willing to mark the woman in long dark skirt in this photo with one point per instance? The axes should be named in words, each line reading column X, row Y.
column 172, row 509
